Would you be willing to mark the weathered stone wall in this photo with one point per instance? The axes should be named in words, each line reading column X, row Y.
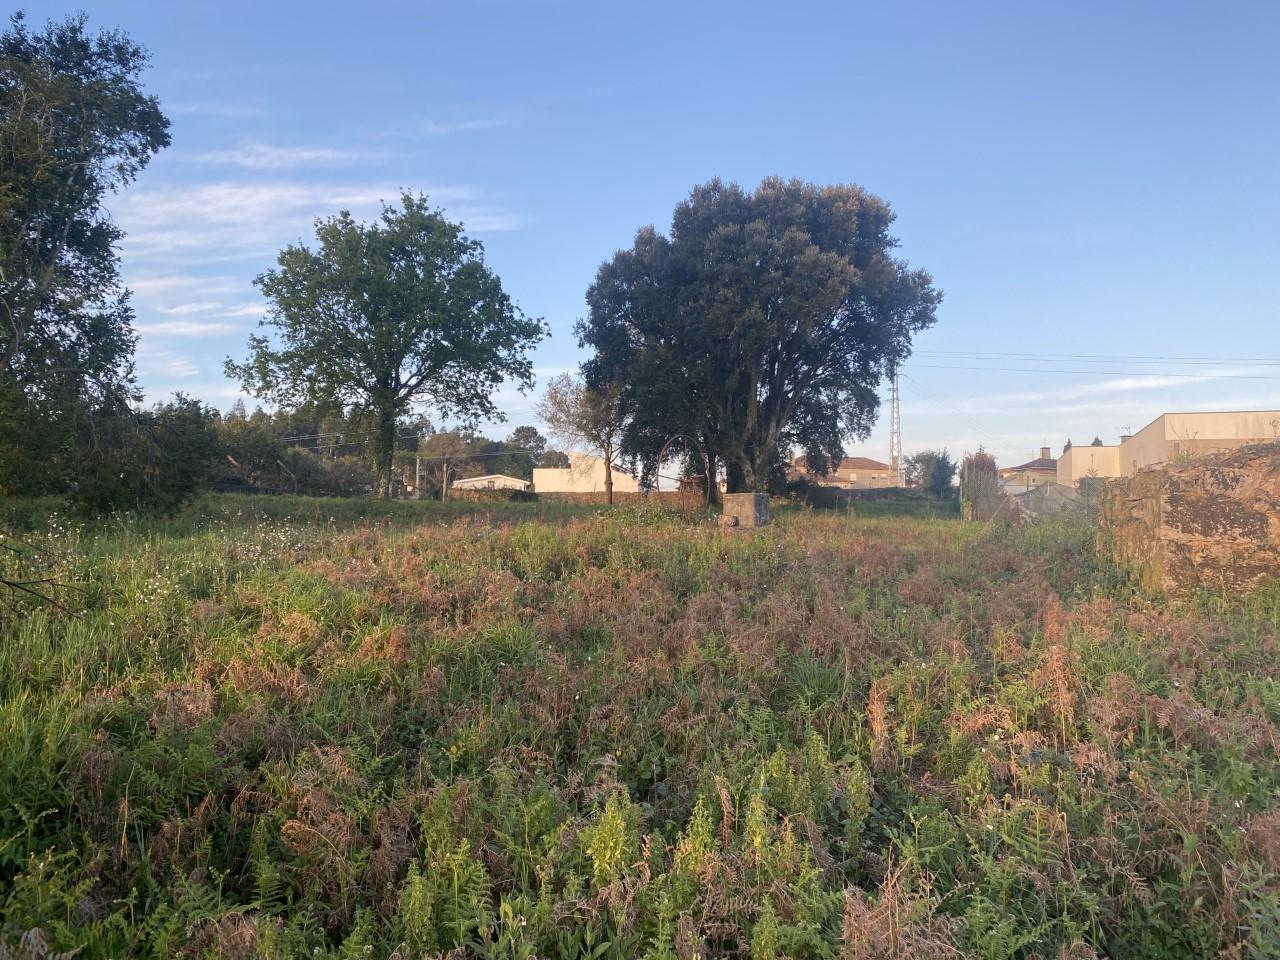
column 490, row 496
column 1211, row 521
column 1051, row 500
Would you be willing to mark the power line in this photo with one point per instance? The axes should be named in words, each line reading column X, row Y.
column 462, row 456
column 313, row 436
column 354, row 433
column 1097, row 357
column 981, row 433
column 479, row 456
column 349, row 442
column 1126, row 373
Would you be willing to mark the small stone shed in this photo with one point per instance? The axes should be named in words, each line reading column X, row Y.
column 1211, row 521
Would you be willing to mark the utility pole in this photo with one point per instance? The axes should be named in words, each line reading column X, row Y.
column 895, row 432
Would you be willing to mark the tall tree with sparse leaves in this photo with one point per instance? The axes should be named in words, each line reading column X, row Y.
column 580, row 415
column 384, row 317
column 764, row 320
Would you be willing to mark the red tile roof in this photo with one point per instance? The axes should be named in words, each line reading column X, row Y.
column 847, row 466
column 1039, row 463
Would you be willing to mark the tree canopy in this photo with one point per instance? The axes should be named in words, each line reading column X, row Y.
column 764, row 320
column 528, row 442
column 386, row 316
column 932, row 470
column 75, row 126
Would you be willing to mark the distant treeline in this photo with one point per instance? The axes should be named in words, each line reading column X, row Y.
column 307, row 451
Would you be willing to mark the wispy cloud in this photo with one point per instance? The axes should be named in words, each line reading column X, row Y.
column 238, row 310
column 188, row 301
column 1067, row 398
column 155, row 362
column 209, row 108
column 217, row 222
column 223, row 393
column 157, row 285
column 253, row 155
column 184, row 309
column 246, row 310
column 179, row 367
column 191, row 251
column 1139, row 384
column 187, row 328
column 442, row 128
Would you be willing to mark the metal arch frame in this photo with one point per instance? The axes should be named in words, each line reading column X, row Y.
column 702, row 454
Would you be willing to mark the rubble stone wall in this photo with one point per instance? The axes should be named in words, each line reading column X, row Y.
column 1210, row 521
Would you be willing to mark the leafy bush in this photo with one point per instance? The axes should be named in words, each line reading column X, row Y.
column 154, row 459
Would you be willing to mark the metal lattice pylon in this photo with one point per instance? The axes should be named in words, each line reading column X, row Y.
column 895, row 431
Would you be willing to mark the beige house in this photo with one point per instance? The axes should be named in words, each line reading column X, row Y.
column 1169, row 437
column 854, row 473
column 585, row 474
column 491, row 481
column 1025, row 476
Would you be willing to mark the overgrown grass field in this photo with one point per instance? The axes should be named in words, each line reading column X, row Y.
column 282, row 729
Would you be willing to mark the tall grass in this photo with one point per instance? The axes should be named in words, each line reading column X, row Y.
column 274, row 728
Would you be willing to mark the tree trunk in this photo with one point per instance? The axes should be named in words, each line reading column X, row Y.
column 608, row 480
column 713, row 480
column 384, row 452
column 739, row 477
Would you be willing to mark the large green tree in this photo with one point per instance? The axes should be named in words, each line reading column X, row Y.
column 75, row 126
column 931, row 470
column 764, row 320
column 387, row 316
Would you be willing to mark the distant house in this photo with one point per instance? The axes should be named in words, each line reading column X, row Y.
column 1033, row 473
column 854, row 473
column 491, row 481
column 1169, row 436
column 585, row 474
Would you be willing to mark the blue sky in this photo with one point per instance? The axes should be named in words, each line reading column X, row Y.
column 1093, row 179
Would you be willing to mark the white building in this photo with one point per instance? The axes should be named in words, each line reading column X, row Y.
column 491, row 481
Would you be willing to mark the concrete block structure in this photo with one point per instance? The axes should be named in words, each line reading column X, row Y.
column 1098, row 460
column 1168, row 438
column 585, row 474
column 746, row 509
